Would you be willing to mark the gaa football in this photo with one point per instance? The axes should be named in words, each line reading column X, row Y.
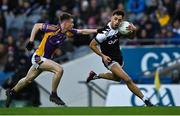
column 123, row 28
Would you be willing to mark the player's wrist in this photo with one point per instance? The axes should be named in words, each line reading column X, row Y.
column 31, row 41
column 30, row 45
column 102, row 55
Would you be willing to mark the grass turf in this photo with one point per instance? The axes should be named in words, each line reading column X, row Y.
column 91, row 111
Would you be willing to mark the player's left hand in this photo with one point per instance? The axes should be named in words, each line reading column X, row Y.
column 131, row 27
column 30, row 45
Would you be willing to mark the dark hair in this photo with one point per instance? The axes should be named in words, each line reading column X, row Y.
column 118, row 12
column 65, row 16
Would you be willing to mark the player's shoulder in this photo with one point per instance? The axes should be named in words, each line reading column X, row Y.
column 49, row 27
column 102, row 34
column 71, row 33
column 107, row 30
column 53, row 27
column 104, row 29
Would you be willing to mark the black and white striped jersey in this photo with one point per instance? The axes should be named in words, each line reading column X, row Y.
column 109, row 42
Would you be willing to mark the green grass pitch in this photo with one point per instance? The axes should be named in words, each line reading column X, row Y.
column 91, row 111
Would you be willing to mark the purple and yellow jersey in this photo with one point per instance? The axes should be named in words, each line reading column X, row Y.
column 52, row 39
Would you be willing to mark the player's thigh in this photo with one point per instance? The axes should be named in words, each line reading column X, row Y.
column 117, row 70
column 32, row 73
column 49, row 65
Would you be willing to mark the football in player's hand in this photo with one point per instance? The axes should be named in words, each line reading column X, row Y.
column 126, row 28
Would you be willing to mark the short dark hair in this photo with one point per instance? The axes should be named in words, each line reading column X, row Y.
column 118, row 12
column 65, row 16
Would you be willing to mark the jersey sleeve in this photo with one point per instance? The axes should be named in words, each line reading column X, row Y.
column 49, row 27
column 100, row 37
column 71, row 33
column 102, row 34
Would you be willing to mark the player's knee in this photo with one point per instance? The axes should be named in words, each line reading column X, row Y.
column 28, row 81
column 59, row 70
column 128, row 81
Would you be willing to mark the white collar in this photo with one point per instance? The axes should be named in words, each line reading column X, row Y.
column 109, row 24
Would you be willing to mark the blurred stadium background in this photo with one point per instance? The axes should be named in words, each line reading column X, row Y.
column 154, row 50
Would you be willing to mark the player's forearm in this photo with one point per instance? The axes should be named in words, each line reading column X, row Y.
column 34, row 31
column 96, row 50
column 87, row 31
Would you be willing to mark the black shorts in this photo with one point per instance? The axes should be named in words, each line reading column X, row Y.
column 114, row 60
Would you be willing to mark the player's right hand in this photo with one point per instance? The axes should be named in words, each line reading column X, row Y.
column 131, row 27
column 30, row 46
column 106, row 59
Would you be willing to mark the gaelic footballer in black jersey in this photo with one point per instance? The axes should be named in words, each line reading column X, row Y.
column 108, row 40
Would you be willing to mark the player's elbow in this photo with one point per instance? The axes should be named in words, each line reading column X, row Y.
column 91, row 45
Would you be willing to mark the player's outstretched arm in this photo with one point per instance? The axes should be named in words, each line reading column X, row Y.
column 86, row 31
